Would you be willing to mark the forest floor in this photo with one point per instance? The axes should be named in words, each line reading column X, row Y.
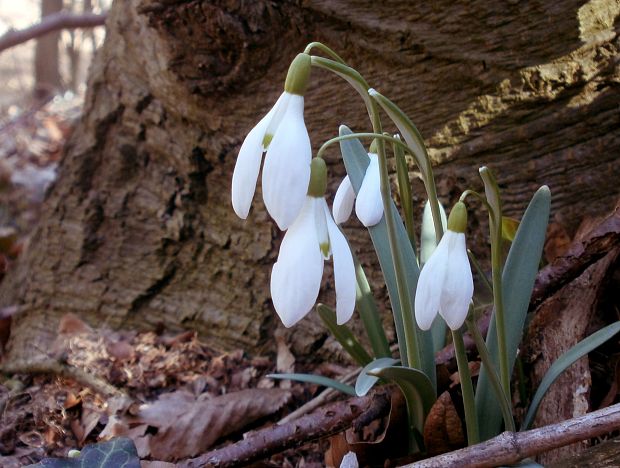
column 43, row 414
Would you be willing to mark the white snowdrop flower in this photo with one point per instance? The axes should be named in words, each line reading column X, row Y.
column 296, row 276
column 368, row 205
column 445, row 284
column 283, row 136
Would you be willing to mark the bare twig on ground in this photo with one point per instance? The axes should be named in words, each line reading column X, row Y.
column 327, row 421
column 51, row 23
column 511, row 447
column 52, row 366
column 578, row 258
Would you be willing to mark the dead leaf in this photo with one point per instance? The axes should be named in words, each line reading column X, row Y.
column 187, row 426
column 443, row 430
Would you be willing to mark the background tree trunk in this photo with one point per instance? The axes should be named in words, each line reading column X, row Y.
column 139, row 231
column 47, row 59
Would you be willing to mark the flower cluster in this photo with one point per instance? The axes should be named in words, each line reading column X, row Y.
column 293, row 186
column 294, row 195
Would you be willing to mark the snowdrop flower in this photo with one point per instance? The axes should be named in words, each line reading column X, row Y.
column 283, row 136
column 446, row 284
column 313, row 238
column 368, row 205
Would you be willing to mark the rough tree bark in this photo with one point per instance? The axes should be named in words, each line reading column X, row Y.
column 139, row 231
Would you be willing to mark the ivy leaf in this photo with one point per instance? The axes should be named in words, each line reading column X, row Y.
column 115, row 453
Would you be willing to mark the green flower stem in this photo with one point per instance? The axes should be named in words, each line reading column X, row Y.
column 324, row 48
column 496, row 266
column 493, row 204
column 414, row 139
column 413, row 355
column 483, row 351
column 483, row 277
column 357, row 136
column 413, row 346
column 404, row 189
column 471, row 416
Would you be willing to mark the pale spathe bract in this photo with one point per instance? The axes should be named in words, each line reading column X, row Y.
column 296, row 276
column 283, row 136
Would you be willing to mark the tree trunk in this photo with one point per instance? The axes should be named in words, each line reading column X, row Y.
column 47, row 60
column 139, row 231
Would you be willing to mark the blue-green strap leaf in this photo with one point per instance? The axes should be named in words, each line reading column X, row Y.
column 317, row 380
column 369, row 313
column 564, row 362
column 365, row 381
column 517, row 283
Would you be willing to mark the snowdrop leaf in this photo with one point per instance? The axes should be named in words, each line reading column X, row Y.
column 365, row 381
column 317, row 380
column 404, row 190
column 369, row 314
column 343, row 335
column 414, row 384
column 517, row 282
column 564, row 362
column 356, row 160
column 419, row 395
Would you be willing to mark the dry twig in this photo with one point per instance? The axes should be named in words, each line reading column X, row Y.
column 327, row 421
column 511, row 447
column 51, row 23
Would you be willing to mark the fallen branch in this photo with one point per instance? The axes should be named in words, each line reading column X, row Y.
column 511, row 447
column 578, row 258
column 51, row 23
column 325, row 422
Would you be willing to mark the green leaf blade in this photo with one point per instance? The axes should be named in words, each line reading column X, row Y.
column 564, row 362
column 517, row 283
column 365, row 381
column 317, row 380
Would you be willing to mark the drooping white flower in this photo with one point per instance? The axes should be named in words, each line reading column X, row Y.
column 445, row 284
column 283, row 136
column 368, row 204
column 296, row 276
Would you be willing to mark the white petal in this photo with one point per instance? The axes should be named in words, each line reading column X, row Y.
column 279, row 110
column 458, row 285
column 320, row 223
column 286, row 172
column 369, row 206
column 343, row 201
column 344, row 270
column 248, row 166
column 296, row 276
column 428, row 291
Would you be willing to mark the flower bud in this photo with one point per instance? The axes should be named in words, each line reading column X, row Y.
column 298, row 75
column 457, row 221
